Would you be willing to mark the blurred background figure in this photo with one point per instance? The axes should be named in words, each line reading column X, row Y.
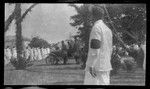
column 8, row 55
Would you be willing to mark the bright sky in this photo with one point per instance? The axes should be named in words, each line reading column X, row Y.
column 49, row 21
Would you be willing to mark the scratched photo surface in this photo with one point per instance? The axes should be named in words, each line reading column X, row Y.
column 48, row 43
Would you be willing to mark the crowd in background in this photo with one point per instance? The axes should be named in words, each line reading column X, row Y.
column 32, row 53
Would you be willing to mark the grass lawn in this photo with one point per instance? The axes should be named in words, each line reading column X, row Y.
column 71, row 74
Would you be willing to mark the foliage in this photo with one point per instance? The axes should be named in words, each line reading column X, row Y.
column 129, row 21
column 38, row 42
column 138, row 55
column 13, row 14
column 82, row 21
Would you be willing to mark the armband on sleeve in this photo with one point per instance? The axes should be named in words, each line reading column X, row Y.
column 95, row 44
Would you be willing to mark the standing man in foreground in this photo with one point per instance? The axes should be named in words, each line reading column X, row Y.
column 143, row 46
column 98, row 65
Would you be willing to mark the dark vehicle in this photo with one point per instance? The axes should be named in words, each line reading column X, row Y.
column 61, row 56
column 56, row 57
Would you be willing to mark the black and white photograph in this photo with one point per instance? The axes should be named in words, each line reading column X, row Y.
column 75, row 44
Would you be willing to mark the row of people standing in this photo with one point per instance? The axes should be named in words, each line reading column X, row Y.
column 32, row 53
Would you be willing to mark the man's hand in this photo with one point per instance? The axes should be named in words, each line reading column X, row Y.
column 92, row 71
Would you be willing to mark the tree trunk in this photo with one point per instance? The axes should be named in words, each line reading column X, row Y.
column 19, row 44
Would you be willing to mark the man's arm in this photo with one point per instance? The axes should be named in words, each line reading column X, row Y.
column 95, row 45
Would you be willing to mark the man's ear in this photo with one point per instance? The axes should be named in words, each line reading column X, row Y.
column 95, row 44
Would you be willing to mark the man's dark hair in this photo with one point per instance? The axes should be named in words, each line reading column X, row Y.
column 97, row 12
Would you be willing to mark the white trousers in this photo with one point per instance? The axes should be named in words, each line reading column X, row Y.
column 102, row 78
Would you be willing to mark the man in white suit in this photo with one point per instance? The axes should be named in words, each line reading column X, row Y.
column 98, row 65
column 143, row 46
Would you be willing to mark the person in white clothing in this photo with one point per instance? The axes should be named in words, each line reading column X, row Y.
column 39, row 54
column 27, row 53
column 48, row 50
column 8, row 55
column 5, row 56
column 37, row 57
column 143, row 46
column 35, row 54
column 98, row 65
column 43, row 53
column 15, row 52
column 31, row 54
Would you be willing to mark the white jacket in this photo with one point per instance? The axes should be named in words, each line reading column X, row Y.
column 144, row 50
column 100, row 58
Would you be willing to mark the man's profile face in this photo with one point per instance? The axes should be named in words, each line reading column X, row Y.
column 97, row 13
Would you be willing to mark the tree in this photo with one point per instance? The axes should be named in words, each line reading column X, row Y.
column 82, row 22
column 12, row 16
column 20, row 63
column 130, row 21
column 127, row 22
column 38, row 42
